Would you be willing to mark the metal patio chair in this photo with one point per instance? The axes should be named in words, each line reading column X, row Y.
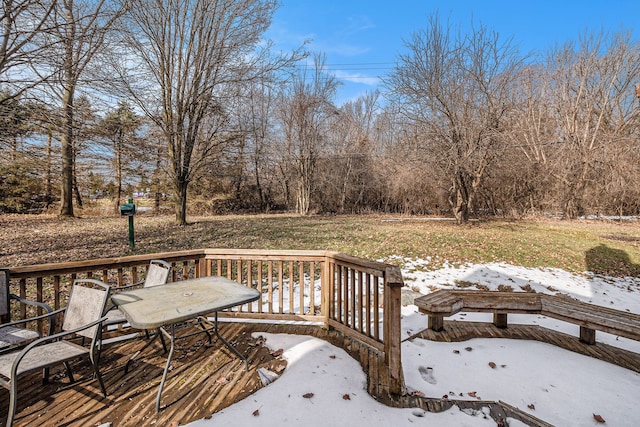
column 82, row 318
column 157, row 274
column 16, row 334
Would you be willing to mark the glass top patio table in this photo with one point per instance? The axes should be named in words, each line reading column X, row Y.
column 150, row 308
column 162, row 307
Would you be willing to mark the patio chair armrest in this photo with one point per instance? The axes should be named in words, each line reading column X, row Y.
column 51, row 315
column 126, row 287
column 42, row 305
column 50, row 338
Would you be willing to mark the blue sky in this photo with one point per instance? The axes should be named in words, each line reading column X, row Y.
column 362, row 38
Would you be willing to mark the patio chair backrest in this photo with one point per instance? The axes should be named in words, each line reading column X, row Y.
column 87, row 302
column 4, row 295
column 158, row 273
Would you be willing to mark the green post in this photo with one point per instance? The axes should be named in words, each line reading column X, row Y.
column 131, row 234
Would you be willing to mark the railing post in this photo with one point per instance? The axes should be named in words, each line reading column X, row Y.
column 391, row 323
column 326, row 287
column 5, row 307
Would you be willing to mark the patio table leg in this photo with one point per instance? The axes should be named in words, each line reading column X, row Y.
column 148, row 343
column 171, row 337
column 229, row 346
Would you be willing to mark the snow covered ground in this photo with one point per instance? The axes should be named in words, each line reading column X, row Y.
column 323, row 386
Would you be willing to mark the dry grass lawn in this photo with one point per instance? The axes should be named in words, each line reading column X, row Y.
column 602, row 246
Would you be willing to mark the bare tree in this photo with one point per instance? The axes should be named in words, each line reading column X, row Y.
column 190, row 52
column 457, row 90
column 261, row 116
column 595, row 112
column 78, row 30
column 347, row 163
column 305, row 112
column 23, row 21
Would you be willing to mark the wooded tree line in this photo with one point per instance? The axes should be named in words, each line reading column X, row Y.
column 185, row 99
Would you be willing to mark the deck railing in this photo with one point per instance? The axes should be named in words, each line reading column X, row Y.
column 357, row 297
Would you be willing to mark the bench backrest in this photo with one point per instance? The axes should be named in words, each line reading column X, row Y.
column 514, row 302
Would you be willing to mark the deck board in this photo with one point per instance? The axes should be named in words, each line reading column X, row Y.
column 205, row 380
column 202, row 380
column 463, row 330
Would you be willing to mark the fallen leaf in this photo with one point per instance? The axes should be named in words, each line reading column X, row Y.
column 307, row 395
column 456, row 351
column 346, row 396
column 531, row 406
column 472, row 393
column 493, row 365
column 598, row 418
column 468, row 348
column 445, row 396
column 333, row 356
column 256, row 412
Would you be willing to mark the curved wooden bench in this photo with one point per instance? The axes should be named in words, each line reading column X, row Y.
column 589, row 317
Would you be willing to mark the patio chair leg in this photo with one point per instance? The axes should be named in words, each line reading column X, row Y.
column 69, row 373
column 96, row 373
column 13, row 400
column 45, row 376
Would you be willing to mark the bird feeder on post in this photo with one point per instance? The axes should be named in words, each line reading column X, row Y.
column 129, row 210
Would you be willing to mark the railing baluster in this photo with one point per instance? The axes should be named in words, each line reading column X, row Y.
column 259, row 284
column 376, row 310
column 270, row 287
column 23, row 294
column 312, row 287
column 368, row 304
column 280, row 287
column 250, row 282
column 292, row 281
column 360, row 323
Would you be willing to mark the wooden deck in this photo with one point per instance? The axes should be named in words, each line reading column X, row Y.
column 461, row 331
column 202, row 380
column 205, row 380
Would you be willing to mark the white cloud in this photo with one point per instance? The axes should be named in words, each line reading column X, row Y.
column 357, row 78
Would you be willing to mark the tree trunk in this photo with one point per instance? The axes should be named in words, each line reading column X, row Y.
column 49, row 189
column 156, row 180
column 302, row 199
column 76, row 190
column 66, row 142
column 181, row 202
column 460, row 197
column 118, row 168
